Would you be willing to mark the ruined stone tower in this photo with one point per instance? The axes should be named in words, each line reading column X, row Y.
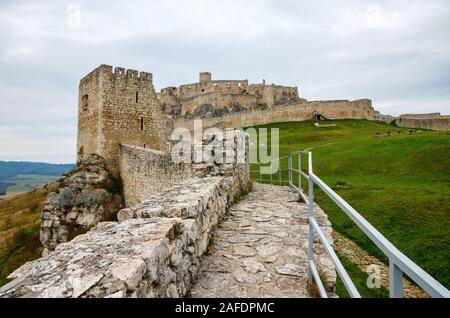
column 118, row 107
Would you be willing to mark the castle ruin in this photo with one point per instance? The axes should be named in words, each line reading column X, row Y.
column 169, row 211
column 120, row 107
column 213, row 98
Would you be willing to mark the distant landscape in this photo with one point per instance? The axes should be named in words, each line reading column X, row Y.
column 20, row 215
column 23, row 176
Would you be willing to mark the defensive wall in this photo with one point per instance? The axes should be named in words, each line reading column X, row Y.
column 339, row 109
column 434, row 121
column 146, row 171
column 156, row 254
column 155, row 248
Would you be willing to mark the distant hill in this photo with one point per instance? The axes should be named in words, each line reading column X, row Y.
column 24, row 175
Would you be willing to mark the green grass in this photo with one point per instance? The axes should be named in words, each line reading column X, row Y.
column 28, row 182
column 400, row 184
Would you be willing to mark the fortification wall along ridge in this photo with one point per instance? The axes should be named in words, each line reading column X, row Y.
column 339, row 109
column 120, row 107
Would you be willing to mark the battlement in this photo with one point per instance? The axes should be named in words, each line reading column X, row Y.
column 115, row 72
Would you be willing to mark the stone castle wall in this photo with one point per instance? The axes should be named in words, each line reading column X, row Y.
column 222, row 96
column 145, row 172
column 434, row 121
column 118, row 107
column 192, row 107
column 154, row 251
column 358, row 109
column 155, row 248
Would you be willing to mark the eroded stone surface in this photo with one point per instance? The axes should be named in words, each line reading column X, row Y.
column 262, row 247
column 154, row 251
column 115, row 260
column 86, row 196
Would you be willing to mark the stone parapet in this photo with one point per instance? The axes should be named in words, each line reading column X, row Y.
column 154, row 251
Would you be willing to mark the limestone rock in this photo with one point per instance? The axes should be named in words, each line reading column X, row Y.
column 253, row 266
column 87, row 195
column 291, row 270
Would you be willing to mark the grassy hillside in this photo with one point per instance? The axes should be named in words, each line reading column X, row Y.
column 399, row 183
column 19, row 230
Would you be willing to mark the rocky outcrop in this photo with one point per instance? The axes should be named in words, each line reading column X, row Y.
column 85, row 196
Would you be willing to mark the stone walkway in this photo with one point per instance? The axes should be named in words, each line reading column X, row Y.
column 260, row 250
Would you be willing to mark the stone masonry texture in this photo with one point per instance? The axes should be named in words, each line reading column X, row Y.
column 434, row 121
column 146, row 171
column 118, row 107
column 156, row 254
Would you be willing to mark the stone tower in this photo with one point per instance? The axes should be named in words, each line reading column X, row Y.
column 118, row 107
column 205, row 77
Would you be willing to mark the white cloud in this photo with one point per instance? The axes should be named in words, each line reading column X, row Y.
column 378, row 18
column 395, row 52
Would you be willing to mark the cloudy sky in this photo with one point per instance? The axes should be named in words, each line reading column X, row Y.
column 395, row 52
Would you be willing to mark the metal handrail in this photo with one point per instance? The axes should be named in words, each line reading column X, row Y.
column 399, row 263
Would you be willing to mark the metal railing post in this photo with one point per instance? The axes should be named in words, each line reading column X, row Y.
column 299, row 154
column 311, row 213
column 395, row 281
column 290, row 169
column 279, row 174
column 271, row 172
column 310, row 186
column 260, row 178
